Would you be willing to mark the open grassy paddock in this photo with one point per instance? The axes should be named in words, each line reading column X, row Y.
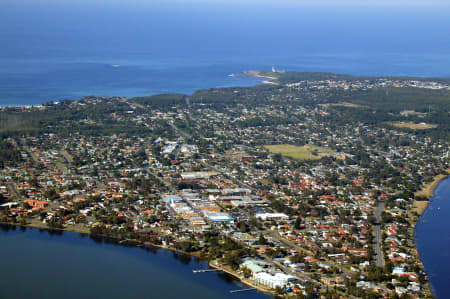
column 306, row 152
column 419, row 206
column 343, row 104
column 412, row 126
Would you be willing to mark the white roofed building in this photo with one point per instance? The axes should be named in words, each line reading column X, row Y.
column 273, row 280
column 272, row 216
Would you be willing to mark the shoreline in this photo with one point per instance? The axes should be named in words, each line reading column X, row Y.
column 138, row 243
column 427, row 190
column 86, row 232
column 258, row 74
column 243, row 280
column 419, row 207
column 31, row 225
column 252, row 74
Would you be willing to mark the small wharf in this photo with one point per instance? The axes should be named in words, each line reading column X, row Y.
column 242, row 290
column 205, row 270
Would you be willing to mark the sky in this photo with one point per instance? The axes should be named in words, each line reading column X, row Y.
column 311, row 2
column 355, row 3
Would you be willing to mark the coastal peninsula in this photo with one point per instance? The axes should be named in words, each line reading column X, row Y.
column 271, row 76
column 303, row 188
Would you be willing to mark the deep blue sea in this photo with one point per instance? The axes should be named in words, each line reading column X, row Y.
column 432, row 234
column 53, row 50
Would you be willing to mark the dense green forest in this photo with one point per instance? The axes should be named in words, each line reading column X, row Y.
column 161, row 100
column 9, row 155
column 382, row 105
column 88, row 119
column 291, row 77
column 394, row 100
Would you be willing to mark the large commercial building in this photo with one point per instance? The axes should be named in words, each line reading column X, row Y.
column 272, row 216
column 273, row 280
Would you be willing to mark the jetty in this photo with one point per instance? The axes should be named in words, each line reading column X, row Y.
column 206, row 270
column 123, row 241
column 242, row 290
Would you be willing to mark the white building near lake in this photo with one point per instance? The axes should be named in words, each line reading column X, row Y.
column 273, row 280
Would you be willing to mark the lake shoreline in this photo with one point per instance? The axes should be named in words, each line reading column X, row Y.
column 427, row 190
column 240, row 278
column 146, row 244
column 103, row 268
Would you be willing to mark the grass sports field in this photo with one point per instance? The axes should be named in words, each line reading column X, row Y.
column 412, row 126
column 306, row 152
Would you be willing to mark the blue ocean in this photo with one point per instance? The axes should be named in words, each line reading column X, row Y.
column 52, row 50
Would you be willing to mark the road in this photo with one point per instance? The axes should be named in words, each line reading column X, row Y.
column 379, row 260
column 28, row 150
column 13, row 188
column 67, row 156
column 288, row 271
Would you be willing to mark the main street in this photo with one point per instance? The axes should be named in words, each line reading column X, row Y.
column 379, row 261
column 12, row 185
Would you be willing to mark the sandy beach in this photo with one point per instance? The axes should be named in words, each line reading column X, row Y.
column 427, row 190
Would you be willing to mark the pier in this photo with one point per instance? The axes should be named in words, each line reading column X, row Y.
column 205, row 270
column 242, row 290
column 123, row 241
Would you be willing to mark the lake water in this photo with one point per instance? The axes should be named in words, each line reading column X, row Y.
column 38, row 264
column 432, row 234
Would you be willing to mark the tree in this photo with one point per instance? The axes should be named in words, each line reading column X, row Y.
column 254, row 223
column 42, row 215
column 279, row 290
column 262, row 240
column 298, row 222
column 51, row 194
column 233, row 259
column 247, row 272
column 242, row 227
